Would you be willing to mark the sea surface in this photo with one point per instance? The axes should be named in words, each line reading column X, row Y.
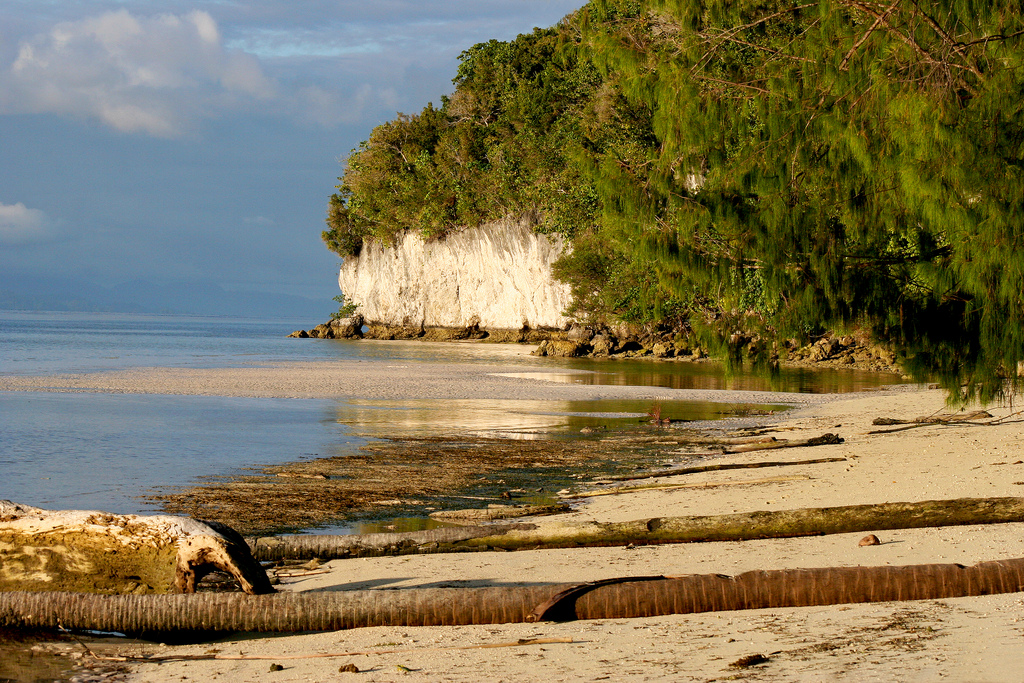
column 107, row 451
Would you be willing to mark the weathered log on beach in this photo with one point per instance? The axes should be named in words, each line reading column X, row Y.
column 97, row 552
column 619, row 598
column 827, row 439
column 691, row 529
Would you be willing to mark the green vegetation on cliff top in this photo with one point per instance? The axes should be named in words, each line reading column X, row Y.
column 746, row 168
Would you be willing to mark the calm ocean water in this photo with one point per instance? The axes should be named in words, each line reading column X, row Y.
column 99, row 451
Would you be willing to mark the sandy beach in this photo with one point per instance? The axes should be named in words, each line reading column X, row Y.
column 963, row 639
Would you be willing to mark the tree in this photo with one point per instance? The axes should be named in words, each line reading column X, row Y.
column 768, row 168
column 501, row 145
column 829, row 164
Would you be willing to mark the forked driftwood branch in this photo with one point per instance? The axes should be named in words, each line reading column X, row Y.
column 953, row 418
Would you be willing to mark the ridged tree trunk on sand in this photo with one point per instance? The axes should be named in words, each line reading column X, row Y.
column 732, row 527
column 611, row 599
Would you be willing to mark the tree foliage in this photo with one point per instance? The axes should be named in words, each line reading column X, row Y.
column 830, row 164
column 500, row 145
column 773, row 167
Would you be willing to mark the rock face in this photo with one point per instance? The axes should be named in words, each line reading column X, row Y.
column 497, row 276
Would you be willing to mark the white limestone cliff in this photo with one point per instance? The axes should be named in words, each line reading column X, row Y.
column 497, row 276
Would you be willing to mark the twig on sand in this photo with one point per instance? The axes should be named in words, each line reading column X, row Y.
column 688, row 485
column 678, row 471
column 213, row 656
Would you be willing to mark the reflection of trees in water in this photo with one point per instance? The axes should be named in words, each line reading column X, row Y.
column 715, row 376
column 519, row 420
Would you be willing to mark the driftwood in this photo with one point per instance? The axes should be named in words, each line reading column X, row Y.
column 618, row 490
column 492, row 512
column 571, row 534
column 954, row 418
column 828, row 439
column 89, row 551
column 678, row 471
column 621, row 598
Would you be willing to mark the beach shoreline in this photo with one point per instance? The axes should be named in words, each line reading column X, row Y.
column 960, row 639
column 342, row 379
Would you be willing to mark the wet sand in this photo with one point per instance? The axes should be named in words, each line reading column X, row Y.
column 375, row 380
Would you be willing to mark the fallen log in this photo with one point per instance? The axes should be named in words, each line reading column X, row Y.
column 620, row 598
column 828, row 439
column 97, row 552
column 678, row 471
column 690, row 529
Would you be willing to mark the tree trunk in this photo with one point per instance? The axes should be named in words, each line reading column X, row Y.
column 97, row 552
column 611, row 599
column 732, row 527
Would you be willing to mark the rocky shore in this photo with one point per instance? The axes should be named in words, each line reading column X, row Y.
column 619, row 342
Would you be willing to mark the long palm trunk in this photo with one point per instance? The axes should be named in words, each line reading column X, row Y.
column 733, row 527
column 613, row 599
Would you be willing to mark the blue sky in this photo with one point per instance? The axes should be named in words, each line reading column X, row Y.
column 194, row 144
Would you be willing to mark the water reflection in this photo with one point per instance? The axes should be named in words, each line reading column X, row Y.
column 520, row 419
column 711, row 376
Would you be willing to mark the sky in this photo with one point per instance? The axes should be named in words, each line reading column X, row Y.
column 164, row 155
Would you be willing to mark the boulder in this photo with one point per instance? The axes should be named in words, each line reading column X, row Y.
column 602, row 345
column 662, row 350
column 580, row 334
column 565, row 349
column 347, row 328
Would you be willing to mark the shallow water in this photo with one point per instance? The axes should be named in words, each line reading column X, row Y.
column 99, row 451
column 707, row 375
column 521, row 419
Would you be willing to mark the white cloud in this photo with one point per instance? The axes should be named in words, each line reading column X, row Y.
column 155, row 75
column 21, row 225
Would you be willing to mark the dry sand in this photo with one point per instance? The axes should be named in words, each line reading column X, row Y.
column 965, row 639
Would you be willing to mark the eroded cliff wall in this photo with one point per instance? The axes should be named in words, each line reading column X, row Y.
column 497, row 276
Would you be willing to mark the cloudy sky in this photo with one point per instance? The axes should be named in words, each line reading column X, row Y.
column 193, row 144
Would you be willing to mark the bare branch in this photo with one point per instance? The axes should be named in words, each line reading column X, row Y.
column 867, row 34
